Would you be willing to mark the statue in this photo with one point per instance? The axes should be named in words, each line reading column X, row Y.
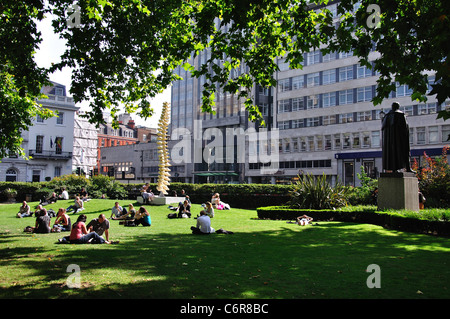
column 164, row 164
column 396, row 151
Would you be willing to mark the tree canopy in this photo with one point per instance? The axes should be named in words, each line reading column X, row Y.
column 124, row 52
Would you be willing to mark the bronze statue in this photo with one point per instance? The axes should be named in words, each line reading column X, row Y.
column 396, row 151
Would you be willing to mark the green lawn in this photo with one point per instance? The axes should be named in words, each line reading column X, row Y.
column 262, row 259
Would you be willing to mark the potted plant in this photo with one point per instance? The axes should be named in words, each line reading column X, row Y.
column 11, row 193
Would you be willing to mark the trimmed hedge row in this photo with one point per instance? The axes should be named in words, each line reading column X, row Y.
column 387, row 219
column 247, row 196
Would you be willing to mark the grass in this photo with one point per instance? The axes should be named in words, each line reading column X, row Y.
column 262, row 259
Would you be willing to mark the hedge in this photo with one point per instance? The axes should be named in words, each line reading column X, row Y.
column 247, row 196
column 387, row 219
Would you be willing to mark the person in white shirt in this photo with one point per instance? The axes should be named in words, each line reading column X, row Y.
column 203, row 225
column 117, row 211
column 64, row 194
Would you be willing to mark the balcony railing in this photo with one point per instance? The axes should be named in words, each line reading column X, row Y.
column 50, row 154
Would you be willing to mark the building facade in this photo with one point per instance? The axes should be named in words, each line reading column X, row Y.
column 48, row 143
column 320, row 120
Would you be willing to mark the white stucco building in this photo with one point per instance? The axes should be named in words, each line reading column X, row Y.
column 48, row 143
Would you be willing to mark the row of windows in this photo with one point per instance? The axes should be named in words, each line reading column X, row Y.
column 59, row 119
column 410, row 110
column 295, row 164
column 356, row 140
column 325, row 77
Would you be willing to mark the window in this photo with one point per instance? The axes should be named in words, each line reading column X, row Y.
column 346, row 73
column 284, row 85
column 58, row 145
column 346, row 143
column 295, row 144
column 302, row 144
column 284, row 106
column 445, row 133
column 319, row 143
column 297, row 123
column 312, row 102
column 337, row 141
column 60, row 118
column 364, row 116
column 284, row 125
column 57, row 171
column 36, row 177
column 376, row 139
column 329, row 57
column 11, row 175
column 420, row 134
column 311, row 143
column 329, row 99
column 346, row 118
column 313, row 79
column 329, row 120
column 329, row 76
column 327, row 142
column 287, row 145
column 39, row 143
column 366, row 139
column 364, row 94
column 346, row 97
column 313, row 121
column 343, row 55
column 356, row 141
column 297, row 104
column 298, row 82
column 433, row 134
column 313, row 57
column 423, row 109
column 403, row 90
column 363, row 71
column 39, row 119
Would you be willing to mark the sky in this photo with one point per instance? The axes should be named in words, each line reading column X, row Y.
column 50, row 50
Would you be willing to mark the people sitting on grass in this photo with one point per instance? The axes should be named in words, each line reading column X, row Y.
column 64, row 194
column 62, row 222
column 51, row 200
column 217, row 203
column 84, row 195
column 42, row 225
column 24, row 210
column 80, row 235
column 184, row 208
column 142, row 217
column 117, row 211
column 77, row 206
column 128, row 215
column 99, row 225
column 208, row 209
column 203, row 225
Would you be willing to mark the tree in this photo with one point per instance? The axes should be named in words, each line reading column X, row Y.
column 125, row 51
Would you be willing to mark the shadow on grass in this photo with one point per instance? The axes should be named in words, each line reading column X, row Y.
column 325, row 261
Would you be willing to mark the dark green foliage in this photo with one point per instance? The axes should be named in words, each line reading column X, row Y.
column 312, row 192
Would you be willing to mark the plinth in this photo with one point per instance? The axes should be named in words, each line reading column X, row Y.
column 398, row 190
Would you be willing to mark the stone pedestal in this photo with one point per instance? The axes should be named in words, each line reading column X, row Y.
column 398, row 191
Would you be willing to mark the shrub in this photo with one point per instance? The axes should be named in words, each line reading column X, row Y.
column 73, row 183
column 434, row 179
column 317, row 193
column 362, row 195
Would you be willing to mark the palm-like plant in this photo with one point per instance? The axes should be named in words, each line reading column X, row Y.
column 317, row 193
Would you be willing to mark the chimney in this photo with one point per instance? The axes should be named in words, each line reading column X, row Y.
column 130, row 124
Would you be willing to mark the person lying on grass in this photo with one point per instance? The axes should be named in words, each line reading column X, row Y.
column 304, row 220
